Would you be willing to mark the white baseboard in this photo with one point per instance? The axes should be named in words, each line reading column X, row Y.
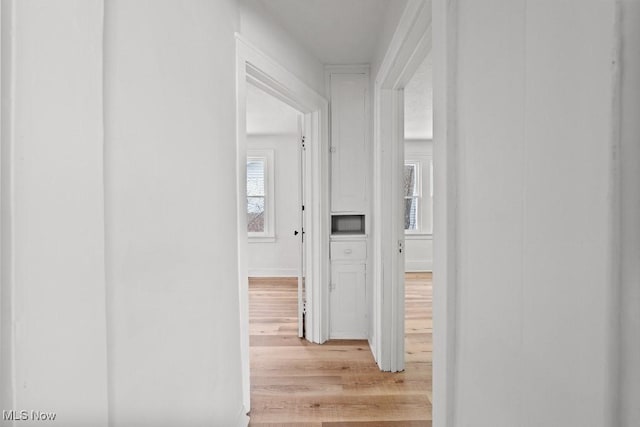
column 242, row 418
column 418, row 266
column 347, row 336
column 273, row 272
column 372, row 347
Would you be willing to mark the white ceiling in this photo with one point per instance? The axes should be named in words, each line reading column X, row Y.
column 334, row 31
column 267, row 115
column 418, row 103
column 340, row 32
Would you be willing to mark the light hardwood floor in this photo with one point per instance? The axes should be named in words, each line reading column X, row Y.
column 296, row 383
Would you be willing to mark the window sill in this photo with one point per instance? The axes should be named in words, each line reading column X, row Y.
column 262, row 239
column 418, row 236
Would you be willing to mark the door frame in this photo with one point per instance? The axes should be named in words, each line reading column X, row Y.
column 421, row 29
column 301, row 155
column 253, row 65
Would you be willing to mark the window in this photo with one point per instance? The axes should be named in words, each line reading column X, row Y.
column 411, row 196
column 260, row 206
column 418, row 195
column 255, row 195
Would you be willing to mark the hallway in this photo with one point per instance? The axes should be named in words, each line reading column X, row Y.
column 297, row 383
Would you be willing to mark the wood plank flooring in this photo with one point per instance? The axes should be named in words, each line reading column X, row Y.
column 338, row 384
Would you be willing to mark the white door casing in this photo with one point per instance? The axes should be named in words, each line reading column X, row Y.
column 255, row 66
column 409, row 46
column 300, row 227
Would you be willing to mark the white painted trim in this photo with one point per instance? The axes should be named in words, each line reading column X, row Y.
column 348, row 237
column 8, row 323
column 254, row 66
column 418, row 266
column 615, row 413
column 419, row 140
column 242, row 420
column 343, row 69
column 273, row 272
column 272, row 134
column 243, row 280
column 347, row 69
column 262, row 239
column 346, row 336
column 410, row 44
column 396, row 210
column 445, row 212
column 418, row 236
column 270, row 76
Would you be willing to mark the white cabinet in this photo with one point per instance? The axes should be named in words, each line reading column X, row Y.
column 348, row 87
column 349, row 147
column 348, row 296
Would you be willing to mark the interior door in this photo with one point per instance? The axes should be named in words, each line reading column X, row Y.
column 301, row 195
column 398, row 267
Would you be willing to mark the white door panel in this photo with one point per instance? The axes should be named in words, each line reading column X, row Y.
column 348, row 317
column 349, row 142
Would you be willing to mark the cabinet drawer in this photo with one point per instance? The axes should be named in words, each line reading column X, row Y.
column 348, row 251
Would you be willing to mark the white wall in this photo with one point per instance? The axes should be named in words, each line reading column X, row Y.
column 535, row 319
column 171, row 209
column 630, row 232
column 53, row 214
column 418, row 102
column 418, row 254
column 262, row 30
column 6, row 309
column 280, row 258
column 267, row 115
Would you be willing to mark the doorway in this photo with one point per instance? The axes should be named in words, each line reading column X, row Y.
column 418, row 169
column 256, row 68
column 411, row 44
column 398, row 67
column 275, row 193
column 418, row 222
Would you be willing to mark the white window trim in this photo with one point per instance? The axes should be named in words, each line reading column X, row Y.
column 268, row 235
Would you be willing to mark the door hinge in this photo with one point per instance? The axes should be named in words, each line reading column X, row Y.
column 302, row 207
column 400, row 246
column 303, row 141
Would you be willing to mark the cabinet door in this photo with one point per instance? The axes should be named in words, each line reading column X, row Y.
column 348, row 305
column 350, row 157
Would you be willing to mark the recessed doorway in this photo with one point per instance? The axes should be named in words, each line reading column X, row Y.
column 275, row 187
column 418, row 223
column 257, row 69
